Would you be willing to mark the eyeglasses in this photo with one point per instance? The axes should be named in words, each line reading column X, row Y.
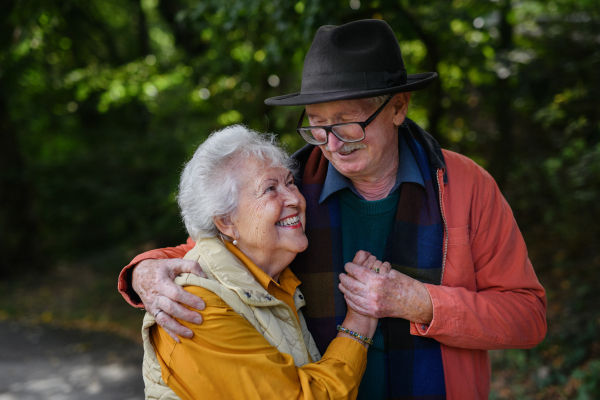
column 348, row 132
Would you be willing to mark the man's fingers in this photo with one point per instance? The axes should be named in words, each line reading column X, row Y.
column 376, row 267
column 352, row 284
column 351, row 304
column 173, row 327
column 360, row 257
column 359, row 273
column 176, row 310
column 173, row 336
column 370, row 262
column 180, row 295
column 186, row 266
column 385, row 268
column 357, row 299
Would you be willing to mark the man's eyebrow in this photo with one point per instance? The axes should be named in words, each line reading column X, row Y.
column 338, row 115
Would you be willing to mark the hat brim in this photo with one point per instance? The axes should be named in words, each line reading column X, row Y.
column 413, row 82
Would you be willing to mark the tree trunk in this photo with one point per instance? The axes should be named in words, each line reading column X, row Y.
column 502, row 153
column 18, row 227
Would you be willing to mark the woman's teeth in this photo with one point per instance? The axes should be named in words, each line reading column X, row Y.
column 289, row 221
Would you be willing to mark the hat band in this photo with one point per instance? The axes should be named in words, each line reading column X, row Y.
column 352, row 81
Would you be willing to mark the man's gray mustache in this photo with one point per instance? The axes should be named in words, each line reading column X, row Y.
column 348, row 147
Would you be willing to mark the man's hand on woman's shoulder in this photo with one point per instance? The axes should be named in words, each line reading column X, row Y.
column 153, row 280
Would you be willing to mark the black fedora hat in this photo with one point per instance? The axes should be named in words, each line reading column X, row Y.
column 353, row 61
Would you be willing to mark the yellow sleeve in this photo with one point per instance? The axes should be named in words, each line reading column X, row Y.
column 228, row 359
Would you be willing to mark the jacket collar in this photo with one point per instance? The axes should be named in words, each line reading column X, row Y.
column 431, row 146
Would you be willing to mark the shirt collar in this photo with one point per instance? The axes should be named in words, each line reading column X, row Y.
column 408, row 171
column 287, row 280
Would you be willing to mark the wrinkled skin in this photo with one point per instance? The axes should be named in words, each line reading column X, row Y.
column 267, row 197
column 359, row 322
column 153, row 282
column 372, row 166
column 391, row 295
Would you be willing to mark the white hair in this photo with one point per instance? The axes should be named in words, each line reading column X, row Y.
column 210, row 182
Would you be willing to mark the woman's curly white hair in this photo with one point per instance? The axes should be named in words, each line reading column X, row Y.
column 210, row 181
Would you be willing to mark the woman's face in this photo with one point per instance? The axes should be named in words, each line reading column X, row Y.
column 270, row 219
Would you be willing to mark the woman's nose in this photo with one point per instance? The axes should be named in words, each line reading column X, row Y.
column 292, row 198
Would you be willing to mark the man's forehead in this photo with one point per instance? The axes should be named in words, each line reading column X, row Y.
column 341, row 107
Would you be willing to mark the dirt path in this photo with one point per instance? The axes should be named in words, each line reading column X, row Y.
column 40, row 362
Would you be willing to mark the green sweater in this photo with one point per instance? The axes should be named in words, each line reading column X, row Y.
column 366, row 225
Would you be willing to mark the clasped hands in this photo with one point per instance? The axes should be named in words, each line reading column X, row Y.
column 388, row 293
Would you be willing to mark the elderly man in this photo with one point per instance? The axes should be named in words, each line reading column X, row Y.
column 461, row 283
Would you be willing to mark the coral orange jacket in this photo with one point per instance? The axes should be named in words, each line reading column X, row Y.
column 490, row 297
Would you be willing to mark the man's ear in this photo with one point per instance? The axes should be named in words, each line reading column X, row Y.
column 400, row 101
column 226, row 226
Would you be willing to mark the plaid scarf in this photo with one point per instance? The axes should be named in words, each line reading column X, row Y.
column 415, row 248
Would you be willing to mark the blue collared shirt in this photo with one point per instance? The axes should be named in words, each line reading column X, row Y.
column 408, row 171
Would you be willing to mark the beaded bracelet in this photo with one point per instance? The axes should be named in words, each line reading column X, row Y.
column 355, row 334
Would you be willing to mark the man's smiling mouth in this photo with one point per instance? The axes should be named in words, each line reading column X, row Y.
column 346, row 152
column 349, row 148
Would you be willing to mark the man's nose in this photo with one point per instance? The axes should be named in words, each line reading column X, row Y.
column 333, row 143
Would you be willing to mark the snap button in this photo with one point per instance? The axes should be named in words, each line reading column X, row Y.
column 268, row 298
column 247, row 294
column 301, row 297
column 424, row 327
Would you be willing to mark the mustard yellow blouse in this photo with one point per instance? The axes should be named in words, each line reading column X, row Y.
column 228, row 359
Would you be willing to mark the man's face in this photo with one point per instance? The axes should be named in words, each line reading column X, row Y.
column 378, row 152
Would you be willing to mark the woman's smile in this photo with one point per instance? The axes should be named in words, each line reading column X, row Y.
column 269, row 223
column 293, row 222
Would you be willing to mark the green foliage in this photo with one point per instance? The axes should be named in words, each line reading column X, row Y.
column 102, row 101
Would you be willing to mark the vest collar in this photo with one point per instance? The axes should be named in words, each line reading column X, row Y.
column 230, row 272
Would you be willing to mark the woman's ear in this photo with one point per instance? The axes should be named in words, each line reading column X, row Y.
column 400, row 107
column 226, row 226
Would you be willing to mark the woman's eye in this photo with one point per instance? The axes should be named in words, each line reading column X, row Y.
column 270, row 189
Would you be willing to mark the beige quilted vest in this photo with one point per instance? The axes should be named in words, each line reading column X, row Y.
column 232, row 282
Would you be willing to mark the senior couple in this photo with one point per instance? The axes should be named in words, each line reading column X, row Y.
column 411, row 262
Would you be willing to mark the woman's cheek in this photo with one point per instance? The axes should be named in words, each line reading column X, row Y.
column 262, row 219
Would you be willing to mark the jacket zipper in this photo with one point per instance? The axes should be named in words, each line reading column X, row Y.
column 445, row 224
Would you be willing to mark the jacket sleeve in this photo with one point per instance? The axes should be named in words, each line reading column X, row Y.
column 229, row 359
column 124, row 283
column 508, row 307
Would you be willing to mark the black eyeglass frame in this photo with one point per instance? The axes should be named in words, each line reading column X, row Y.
column 329, row 128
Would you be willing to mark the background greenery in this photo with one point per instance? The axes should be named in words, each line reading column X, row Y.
column 102, row 101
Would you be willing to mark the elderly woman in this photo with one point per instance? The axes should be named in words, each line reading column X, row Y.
column 239, row 203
